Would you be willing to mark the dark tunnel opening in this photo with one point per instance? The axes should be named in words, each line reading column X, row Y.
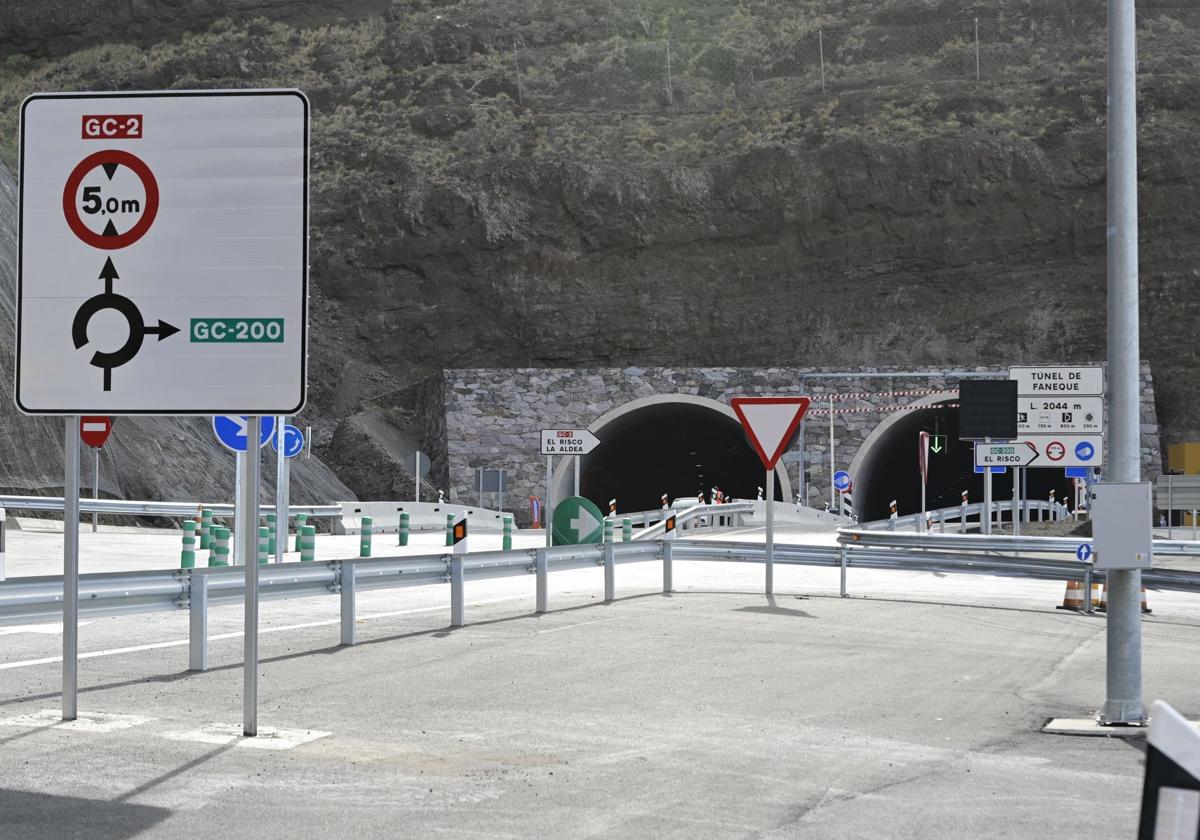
column 891, row 470
column 681, row 449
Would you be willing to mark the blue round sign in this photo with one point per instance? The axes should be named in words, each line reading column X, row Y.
column 1085, row 451
column 841, row 480
column 230, row 430
column 293, row 442
column 1084, row 551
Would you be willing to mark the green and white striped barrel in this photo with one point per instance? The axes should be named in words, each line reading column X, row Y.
column 364, row 537
column 449, row 529
column 507, row 544
column 608, row 530
column 308, row 543
column 263, row 544
column 403, row 529
column 206, row 528
column 220, row 546
column 187, row 557
column 626, row 530
column 301, row 518
column 271, row 520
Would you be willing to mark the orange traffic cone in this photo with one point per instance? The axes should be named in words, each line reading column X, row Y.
column 1073, row 597
column 1102, row 604
column 1145, row 604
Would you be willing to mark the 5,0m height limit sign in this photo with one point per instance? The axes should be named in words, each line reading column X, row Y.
column 164, row 253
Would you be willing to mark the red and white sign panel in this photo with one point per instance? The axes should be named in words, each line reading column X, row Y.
column 94, row 431
column 770, row 423
column 923, row 455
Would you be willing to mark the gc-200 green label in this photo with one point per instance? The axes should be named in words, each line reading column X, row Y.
column 237, row 330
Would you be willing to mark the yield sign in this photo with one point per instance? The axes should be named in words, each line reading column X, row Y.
column 770, row 423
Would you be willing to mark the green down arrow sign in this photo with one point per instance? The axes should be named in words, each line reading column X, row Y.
column 937, row 443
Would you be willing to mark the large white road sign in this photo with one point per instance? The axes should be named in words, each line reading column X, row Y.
column 163, row 253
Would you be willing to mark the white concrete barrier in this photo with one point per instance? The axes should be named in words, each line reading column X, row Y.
column 422, row 516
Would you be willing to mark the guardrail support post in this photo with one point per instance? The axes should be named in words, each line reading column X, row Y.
column 1087, row 589
column 198, row 623
column 456, row 591
column 844, row 561
column 349, row 636
column 668, row 576
column 540, row 564
column 610, row 578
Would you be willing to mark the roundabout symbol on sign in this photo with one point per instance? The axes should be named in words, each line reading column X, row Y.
column 1055, row 451
column 110, row 239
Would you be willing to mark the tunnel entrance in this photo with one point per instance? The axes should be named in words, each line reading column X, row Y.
column 887, row 468
column 677, row 445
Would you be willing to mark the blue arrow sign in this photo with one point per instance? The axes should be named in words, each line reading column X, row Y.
column 841, row 480
column 1085, row 451
column 293, row 442
column 1076, row 472
column 994, row 470
column 230, row 430
column 1083, row 552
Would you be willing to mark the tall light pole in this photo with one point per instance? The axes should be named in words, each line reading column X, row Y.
column 1123, row 703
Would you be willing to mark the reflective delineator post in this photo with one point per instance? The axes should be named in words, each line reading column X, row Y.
column 272, row 537
column 449, row 529
column 264, row 544
column 626, row 530
column 301, row 518
column 219, row 556
column 610, row 561
column 402, row 528
column 308, row 543
column 206, row 529
column 668, row 543
column 458, row 550
column 364, row 537
column 187, row 556
column 506, row 544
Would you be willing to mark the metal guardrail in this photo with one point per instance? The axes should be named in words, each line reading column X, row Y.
column 123, row 507
column 687, row 515
column 961, row 514
column 39, row 599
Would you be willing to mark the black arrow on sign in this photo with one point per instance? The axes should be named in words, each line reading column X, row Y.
column 163, row 330
column 108, row 274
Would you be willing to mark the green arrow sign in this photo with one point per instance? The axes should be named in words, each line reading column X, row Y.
column 937, row 443
column 577, row 520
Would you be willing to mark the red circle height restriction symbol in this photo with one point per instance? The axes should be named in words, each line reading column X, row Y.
column 97, row 240
column 1055, row 451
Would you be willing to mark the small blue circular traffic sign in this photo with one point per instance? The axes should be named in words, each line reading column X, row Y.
column 230, row 429
column 841, row 480
column 1084, row 551
column 1085, row 451
column 293, row 442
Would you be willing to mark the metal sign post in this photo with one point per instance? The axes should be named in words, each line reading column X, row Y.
column 96, row 490
column 70, row 672
column 282, row 491
column 247, row 549
column 548, row 513
column 770, row 485
column 1017, row 503
column 985, row 521
column 577, row 460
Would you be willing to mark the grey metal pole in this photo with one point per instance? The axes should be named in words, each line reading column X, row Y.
column 417, row 478
column 1123, row 703
column 770, row 485
column 307, row 442
column 549, row 509
column 246, row 540
column 1170, row 505
column 1017, row 503
column 238, row 495
column 977, row 49
column 70, row 671
column 985, row 520
column 821, row 52
column 96, row 490
column 801, row 497
column 282, row 492
column 577, row 458
column 832, row 468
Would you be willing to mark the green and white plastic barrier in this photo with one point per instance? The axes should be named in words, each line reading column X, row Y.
column 403, row 529
column 449, row 529
column 308, row 543
column 301, row 518
column 271, row 520
column 220, row 546
column 264, row 542
column 206, row 529
column 508, row 522
column 627, row 530
column 187, row 557
column 608, row 530
column 364, row 537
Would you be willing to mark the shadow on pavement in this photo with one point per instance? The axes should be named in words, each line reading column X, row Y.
column 44, row 816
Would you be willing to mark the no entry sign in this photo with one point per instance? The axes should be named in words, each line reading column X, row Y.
column 94, row 431
column 163, row 253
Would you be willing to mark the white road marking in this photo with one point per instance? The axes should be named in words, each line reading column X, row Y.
column 268, row 738
column 50, row 660
column 580, row 624
column 93, row 722
column 53, row 629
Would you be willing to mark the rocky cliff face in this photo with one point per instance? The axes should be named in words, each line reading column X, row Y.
column 521, row 185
